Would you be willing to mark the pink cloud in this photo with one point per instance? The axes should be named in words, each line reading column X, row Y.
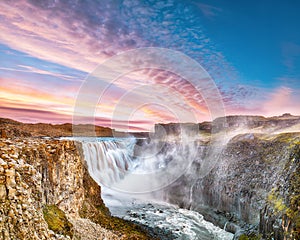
column 53, row 31
column 282, row 100
column 58, row 34
column 279, row 101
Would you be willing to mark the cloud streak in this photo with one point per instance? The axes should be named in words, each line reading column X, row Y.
column 80, row 36
column 208, row 11
column 55, row 44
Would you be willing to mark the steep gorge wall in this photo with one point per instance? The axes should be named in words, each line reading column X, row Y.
column 241, row 187
column 47, row 193
column 280, row 217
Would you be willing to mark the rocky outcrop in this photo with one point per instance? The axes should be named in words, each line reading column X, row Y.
column 254, row 187
column 47, row 193
column 280, row 217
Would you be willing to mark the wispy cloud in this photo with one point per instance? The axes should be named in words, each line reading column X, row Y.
column 209, row 11
column 291, row 55
column 291, row 61
column 80, row 35
column 30, row 69
column 269, row 103
column 282, row 99
column 66, row 32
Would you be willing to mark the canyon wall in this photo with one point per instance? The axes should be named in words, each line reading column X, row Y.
column 47, row 193
column 253, row 188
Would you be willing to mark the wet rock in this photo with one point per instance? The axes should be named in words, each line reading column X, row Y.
column 238, row 187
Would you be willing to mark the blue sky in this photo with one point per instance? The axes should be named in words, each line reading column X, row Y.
column 48, row 48
column 259, row 38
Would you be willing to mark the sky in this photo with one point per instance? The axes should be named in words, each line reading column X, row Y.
column 50, row 48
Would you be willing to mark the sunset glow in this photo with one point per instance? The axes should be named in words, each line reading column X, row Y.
column 49, row 48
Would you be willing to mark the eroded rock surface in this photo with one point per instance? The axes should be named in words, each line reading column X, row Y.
column 40, row 179
column 254, row 186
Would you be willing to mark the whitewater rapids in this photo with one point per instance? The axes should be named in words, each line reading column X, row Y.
column 111, row 160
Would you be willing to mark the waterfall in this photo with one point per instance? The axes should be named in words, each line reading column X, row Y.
column 109, row 160
column 123, row 165
column 191, row 194
column 136, row 165
column 225, row 226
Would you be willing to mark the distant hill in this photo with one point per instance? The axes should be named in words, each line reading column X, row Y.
column 283, row 123
column 12, row 128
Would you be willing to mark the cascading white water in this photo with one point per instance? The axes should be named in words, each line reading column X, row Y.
column 147, row 168
column 112, row 161
column 109, row 159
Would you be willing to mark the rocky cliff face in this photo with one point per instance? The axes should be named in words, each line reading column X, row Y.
column 255, row 183
column 47, row 193
column 280, row 216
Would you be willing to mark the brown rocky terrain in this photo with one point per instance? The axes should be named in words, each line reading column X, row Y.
column 254, row 188
column 47, row 193
column 11, row 128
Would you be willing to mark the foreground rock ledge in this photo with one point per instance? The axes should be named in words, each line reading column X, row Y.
column 47, row 193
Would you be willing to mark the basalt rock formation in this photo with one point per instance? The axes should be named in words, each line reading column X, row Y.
column 253, row 190
column 47, row 193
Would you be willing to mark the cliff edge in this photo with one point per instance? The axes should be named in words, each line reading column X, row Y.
column 47, row 193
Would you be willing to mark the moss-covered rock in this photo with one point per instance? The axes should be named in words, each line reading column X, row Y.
column 94, row 209
column 293, row 210
column 249, row 237
column 57, row 220
column 282, row 217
